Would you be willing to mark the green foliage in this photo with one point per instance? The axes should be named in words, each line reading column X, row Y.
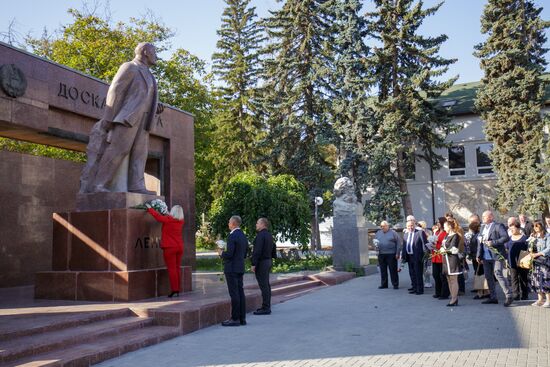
column 294, row 265
column 238, row 126
column 95, row 46
column 510, row 100
column 209, row 264
column 295, row 101
column 281, row 199
column 279, row 265
column 352, row 116
column 184, row 83
column 203, row 243
column 350, row 268
column 41, row 150
column 405, row 66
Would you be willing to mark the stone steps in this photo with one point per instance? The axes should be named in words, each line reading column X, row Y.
column 72, row 337
column 108, row 347
column 61, row 339
column 31, row 324
column 295, row 287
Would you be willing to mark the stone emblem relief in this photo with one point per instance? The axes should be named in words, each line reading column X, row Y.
column 12, row 80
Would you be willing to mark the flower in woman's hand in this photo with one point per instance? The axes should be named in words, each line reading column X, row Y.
column 454, row 251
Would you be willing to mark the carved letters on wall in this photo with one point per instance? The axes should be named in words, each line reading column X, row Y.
column 83, row 96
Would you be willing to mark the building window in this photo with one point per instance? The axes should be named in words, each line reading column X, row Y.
column 484, row 164
column 457, row 161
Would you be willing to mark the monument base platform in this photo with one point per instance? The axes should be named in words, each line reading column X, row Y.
column 107, row 286
column 111, row 200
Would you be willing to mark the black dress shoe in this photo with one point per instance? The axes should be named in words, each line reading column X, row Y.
column 410, row 289
column 419, row 293
column 490, row 301
column 452, row 304
column 231, row 322
column 243, row 322
column 436, row 296
column 262, row 312
column 477, row 296
column 173, row 294
column 442, row 297
column 382, row 287
column 508, row 302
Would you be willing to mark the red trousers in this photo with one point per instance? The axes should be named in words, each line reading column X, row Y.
column 172, row 259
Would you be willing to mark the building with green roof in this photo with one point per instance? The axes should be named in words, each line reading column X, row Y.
column 465, row 183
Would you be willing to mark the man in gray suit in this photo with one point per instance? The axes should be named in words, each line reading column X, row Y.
column 491, row 252
column 123, row 132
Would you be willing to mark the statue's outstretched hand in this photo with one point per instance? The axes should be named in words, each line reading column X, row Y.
column 107, row 125
column 160, row 108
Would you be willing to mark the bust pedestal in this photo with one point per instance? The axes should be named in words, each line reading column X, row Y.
column 112, row 254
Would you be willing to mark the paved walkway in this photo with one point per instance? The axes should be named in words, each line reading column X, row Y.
column 355, row 324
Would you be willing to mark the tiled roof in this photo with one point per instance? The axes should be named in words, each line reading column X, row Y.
column 460, row 97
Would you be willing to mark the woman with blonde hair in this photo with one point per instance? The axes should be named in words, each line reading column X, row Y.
column 171, row 243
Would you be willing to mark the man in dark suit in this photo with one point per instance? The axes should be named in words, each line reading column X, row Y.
column 233, row 259
column 525, row 224
column 413, row 254
column 264, row 250
column 491, row 252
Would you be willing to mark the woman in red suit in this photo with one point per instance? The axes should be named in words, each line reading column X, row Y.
column 172, row 244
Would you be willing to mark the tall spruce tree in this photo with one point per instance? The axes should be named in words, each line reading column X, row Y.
column 352, row 117
column 237, row 66
column 297, row 90
column 510, row 100
column 409, row 125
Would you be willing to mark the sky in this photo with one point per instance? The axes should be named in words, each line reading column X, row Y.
column 196, row 23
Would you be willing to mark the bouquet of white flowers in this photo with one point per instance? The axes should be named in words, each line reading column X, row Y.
column 160, row 206
column 157, row 204
column 221, row 244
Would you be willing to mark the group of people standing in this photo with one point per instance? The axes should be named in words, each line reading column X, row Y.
column 233, row 256
column 493, row 250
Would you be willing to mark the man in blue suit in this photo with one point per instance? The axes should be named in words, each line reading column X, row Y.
column 491, row 252
column 233, row 259
column 413, row 254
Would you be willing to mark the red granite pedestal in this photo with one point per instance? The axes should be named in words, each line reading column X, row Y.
column 106, row 255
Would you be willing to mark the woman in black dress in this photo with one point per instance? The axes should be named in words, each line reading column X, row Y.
column 517, row 243
column 452, row 261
